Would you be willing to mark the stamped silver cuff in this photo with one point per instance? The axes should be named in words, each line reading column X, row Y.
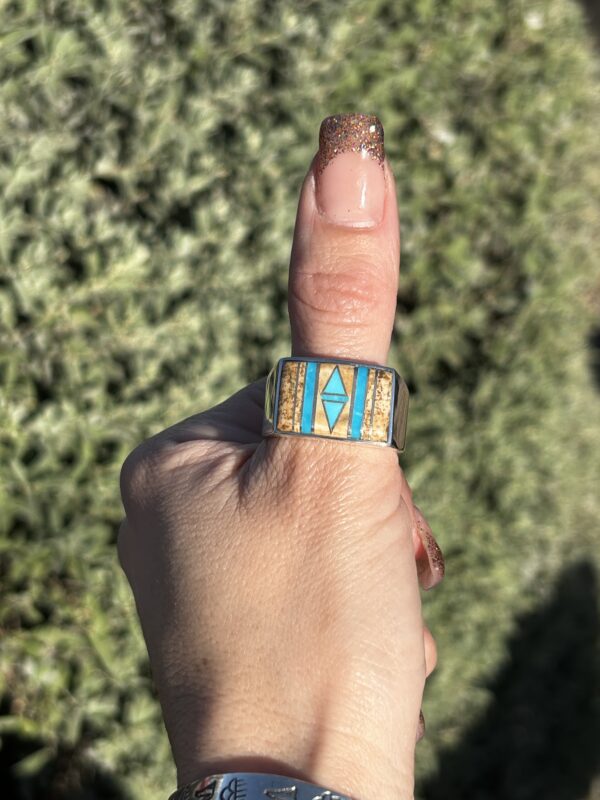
column 253, row 786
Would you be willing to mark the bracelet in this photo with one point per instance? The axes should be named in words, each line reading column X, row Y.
column 253, row 786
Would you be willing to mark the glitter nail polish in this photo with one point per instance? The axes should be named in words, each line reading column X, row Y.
column 350, row 179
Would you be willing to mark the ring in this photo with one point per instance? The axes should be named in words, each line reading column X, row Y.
column 333, row 398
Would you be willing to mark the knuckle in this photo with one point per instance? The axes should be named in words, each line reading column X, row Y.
column 347, row 297
column 292, row 467
column 158, row 476
column 159, row 455
column 138, row 472
column 331, row 480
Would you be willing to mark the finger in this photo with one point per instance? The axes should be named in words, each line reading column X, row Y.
column 430, row 559
column 237, row 419
column 345, row 255
column 428, row 554
column 430, row 651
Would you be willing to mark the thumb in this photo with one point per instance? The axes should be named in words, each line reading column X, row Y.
column 345, row 255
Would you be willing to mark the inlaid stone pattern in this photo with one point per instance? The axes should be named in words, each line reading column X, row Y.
column 380, row 413
column 339, row 401
column 332, row 410
column 291, row 388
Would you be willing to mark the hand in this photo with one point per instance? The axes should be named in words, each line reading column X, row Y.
column 277, row 580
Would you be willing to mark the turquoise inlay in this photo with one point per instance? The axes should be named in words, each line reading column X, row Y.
column 360, row 394
column 334, row 398
column 335, row 384
column 309, row 396
column 333, row 409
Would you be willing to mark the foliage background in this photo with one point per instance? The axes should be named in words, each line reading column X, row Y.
column 150, row 161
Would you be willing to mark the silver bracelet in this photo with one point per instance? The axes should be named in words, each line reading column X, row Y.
column 253, row 786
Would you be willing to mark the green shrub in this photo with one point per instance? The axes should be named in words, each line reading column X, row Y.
column 151, row 159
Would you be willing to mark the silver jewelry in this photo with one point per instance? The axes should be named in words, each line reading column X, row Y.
column 253, row 786
column 334, row 398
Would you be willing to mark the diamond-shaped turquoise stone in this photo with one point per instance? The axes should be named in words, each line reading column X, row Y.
column 333, row 409
column 335, row 384
column 334, row 398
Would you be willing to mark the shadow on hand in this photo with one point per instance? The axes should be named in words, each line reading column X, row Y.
column 539, row 738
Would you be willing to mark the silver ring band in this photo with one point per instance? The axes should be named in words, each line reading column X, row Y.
column 336, row 399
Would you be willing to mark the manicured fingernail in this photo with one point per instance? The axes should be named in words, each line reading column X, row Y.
column 432, row 570
column 349, row 170
column 421, row 726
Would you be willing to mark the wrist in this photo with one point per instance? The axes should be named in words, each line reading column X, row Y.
column 344, row 762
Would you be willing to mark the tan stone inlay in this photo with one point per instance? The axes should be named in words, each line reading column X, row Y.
column 365, row 431
column 287, row 385
column 299, row 397
column 383, row 400
column 321, row 426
